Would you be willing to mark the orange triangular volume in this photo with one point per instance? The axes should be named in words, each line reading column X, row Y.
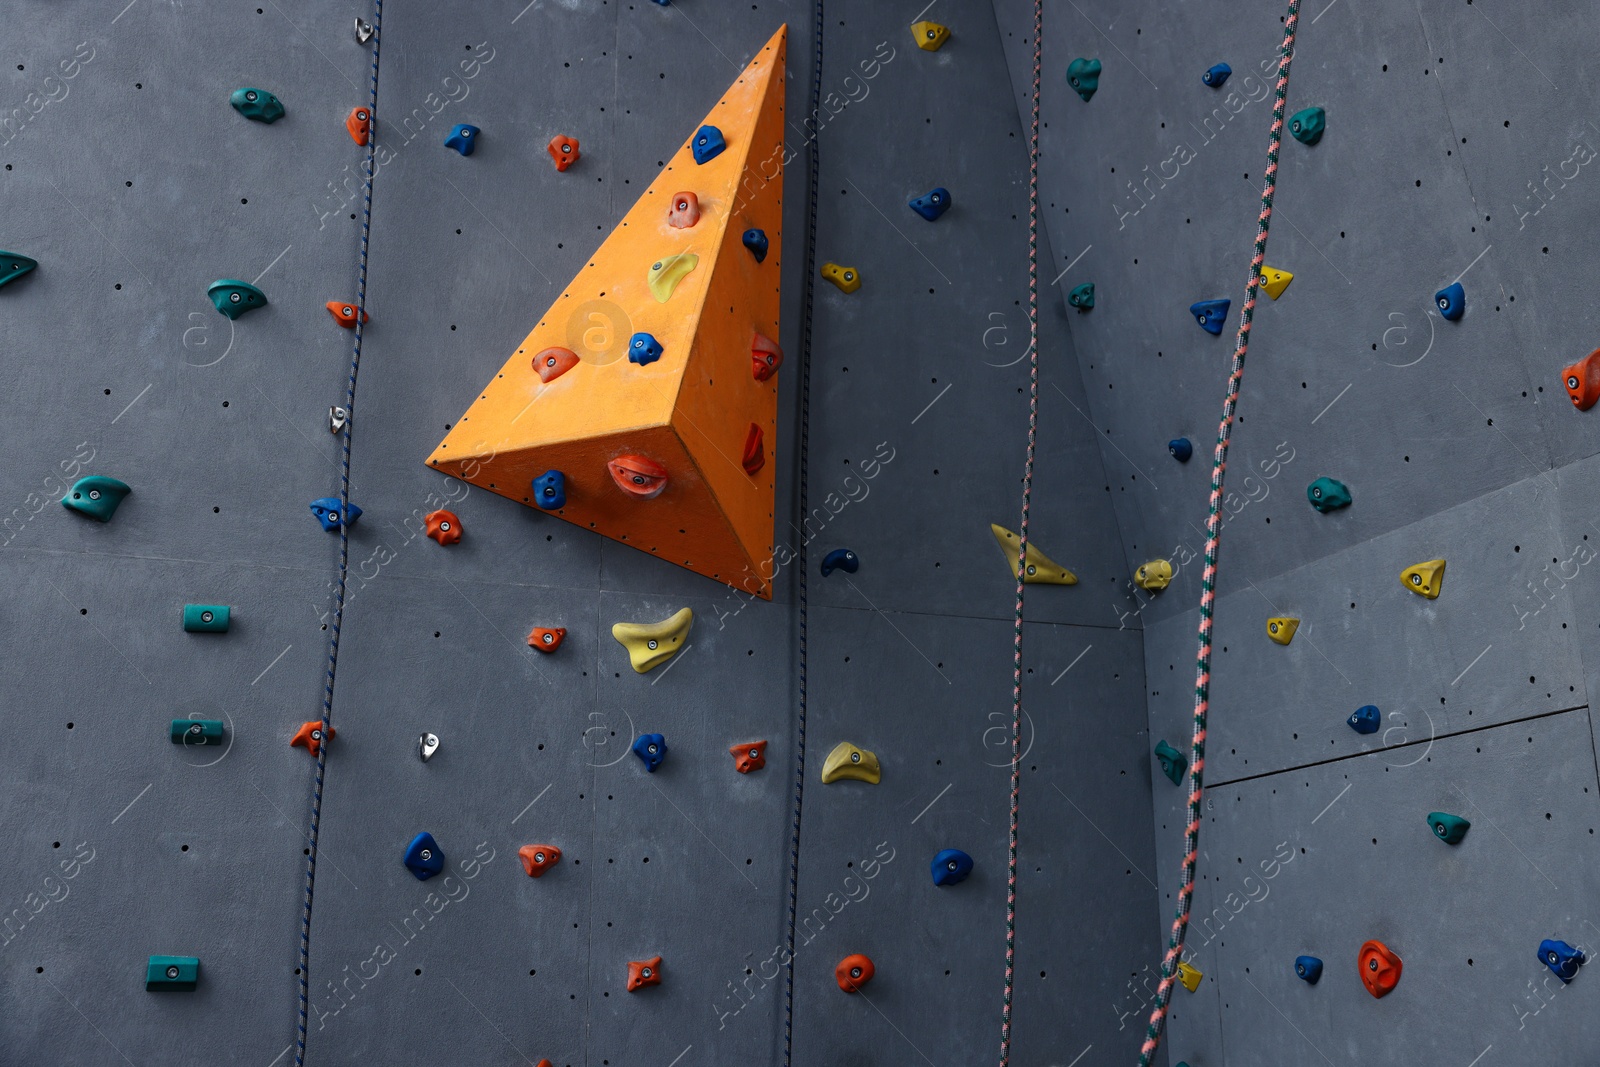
column 691, row 410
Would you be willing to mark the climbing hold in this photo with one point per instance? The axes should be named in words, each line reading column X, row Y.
column 309, row 736
column 552, row 363
column 665, row 274
column 256, row 104
column 14, row 266
column 463, row 138
column 650, row 748
column 427, row 745
column 1448, row 828
column 1327, row 495
column 196, row 731
column 171, row 974
column 931, row 206
column 1452, row 301
column 754, row 458
column 95, row 496
column 1084, row 77
column 951, row 866
column 644, row 972
column 840, row 559
column 364, row 31
column 564, row 150
column 638, row 476
column 206, row 618
column 1308, row 968
column 550, row 490
column 652, row 644
column 1216, row 75
column 1380, row 968
column 684, row 211
column 708, row 144
column 643, row 349
column 765, row 358
column 849, row 761
column 1180, row 448
column 929, row 35
column 1153, row 576
column 537, row 859
column 853, row 972
column 1282, row 630
column 1275, row 281
column 755, row 239
column 1210, row 314
column 1365, row 719
column 1306, row 125
column 1424, row 579
column 1041, row 569
column 443, row 526
column 848, row 279
column 233, row 298
column 1172, row 762
column 546, row 638
column 1189, row 976
column 326, row 509
column 337, row 417
column 751, row 757
column 1583, row 381
column 359, row 125
column 344, row 314
column 424, row 858
column 1561, row 958
column 1082, row 297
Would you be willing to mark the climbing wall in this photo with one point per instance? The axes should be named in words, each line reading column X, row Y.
column 1451, row 154
column 134, row 185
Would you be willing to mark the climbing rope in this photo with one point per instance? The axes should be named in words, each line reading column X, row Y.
column 1022, row 534
column 344, row 552
column 1208, row 577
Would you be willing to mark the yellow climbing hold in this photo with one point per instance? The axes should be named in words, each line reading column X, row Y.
column 1282, row 630
column 1275, row 281
column 1189, row 977
column 665, row 274
column 1425, row 579
column 1154, row 575
column 1041, row 571
column 848, row 279
column 850, row 761
column 651, row 644
column 929, row 35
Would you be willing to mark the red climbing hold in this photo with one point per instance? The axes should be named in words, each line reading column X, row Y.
column 638, row 476
column 754, row 457
column 1582, row 380
column 853, row 972
column 1380, row 968
column 546, row 639
column 309, row 736
column 360, row 125
column 443, row 526
column 564, row 150
column 537, row 859
column 344, row 314
column 750, row 757
column 552, row 363
column 643, row 973
column 765, row 358
column 684, row 212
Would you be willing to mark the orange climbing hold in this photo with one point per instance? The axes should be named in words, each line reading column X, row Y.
column 751, row 757
column 537, row 859
column 644, row 972
column 639, row 476
column 684, row 212
column 359, row 123
column 443, row 526
column 765, row 358
column 854, row 972
column 344, row 314
column 754, row 457
column 309, row 736
column 564, row 150
column 1380, row 968
column 552, row 363
column 1582, row 380
column 546, row 639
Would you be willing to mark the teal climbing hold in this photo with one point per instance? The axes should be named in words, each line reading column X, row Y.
column 256, row 104
column 233, row 297
column 1084, row 77
column 1327, row 494
column 196, row 731
column 1172, row 762
column 1448, row 828
column 171, row 974
column 1307, row 125
column 14, row 266
column 206, row 618
column 1082, row 296
column 95, row 496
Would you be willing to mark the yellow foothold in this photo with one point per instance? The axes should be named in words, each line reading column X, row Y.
column 1041, row 571
column 1189, row 977
column 850, row 761
column 1282, row 630
column 929, row 35
column 651, row 644
column 665, row 274
column 1153, row 576
column 1275, row 281
column 848, row 279
column 1425, row 579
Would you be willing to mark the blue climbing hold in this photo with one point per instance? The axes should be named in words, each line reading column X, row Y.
column 643, row 348
column 95, row 496
column 842, row 559
column 930, row 207
column 755, row 239
column 256, row 104
column 951, row 866
column 233, row 298
column 1217, row 75
column 1084, row 77
column 1365, row 719
column 708, row 144
column 424, row 858
column 326, row 509
column 1308, row 967
column 550, row 490
column 1328, row 494
column 1452, row 301
column 1180, row 448
column 652, row 749
column 1210, row 314
column 463, row 138
column 14, row 266
column 1561, row 958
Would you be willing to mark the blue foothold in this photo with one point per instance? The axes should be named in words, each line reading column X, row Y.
column 463, row 138
column 326, row 509
column 1308, row 967
column 842, row 559
column 550, row 490
column 1181, row 449
column 1452, row 301
column 1210, row 314
column 424, row 858
column 707, row 144
column 1217, row 75
column 930, row 207
column 643, row 348
column 756, row 241
column 1365, row 720
column 652, row 749
column 951, row 866
column 1561, row 958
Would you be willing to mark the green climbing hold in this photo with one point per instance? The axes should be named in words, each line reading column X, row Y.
column 171, row 974
column 233, row 297
column 256, row 104
column 1448, row 828
column 206, row 618
column 95, row 496
column 1084, row 77
column 14, row 266
column 1082, row 296
column 197, row 731
column 1172, row 762
column 1307, row 125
